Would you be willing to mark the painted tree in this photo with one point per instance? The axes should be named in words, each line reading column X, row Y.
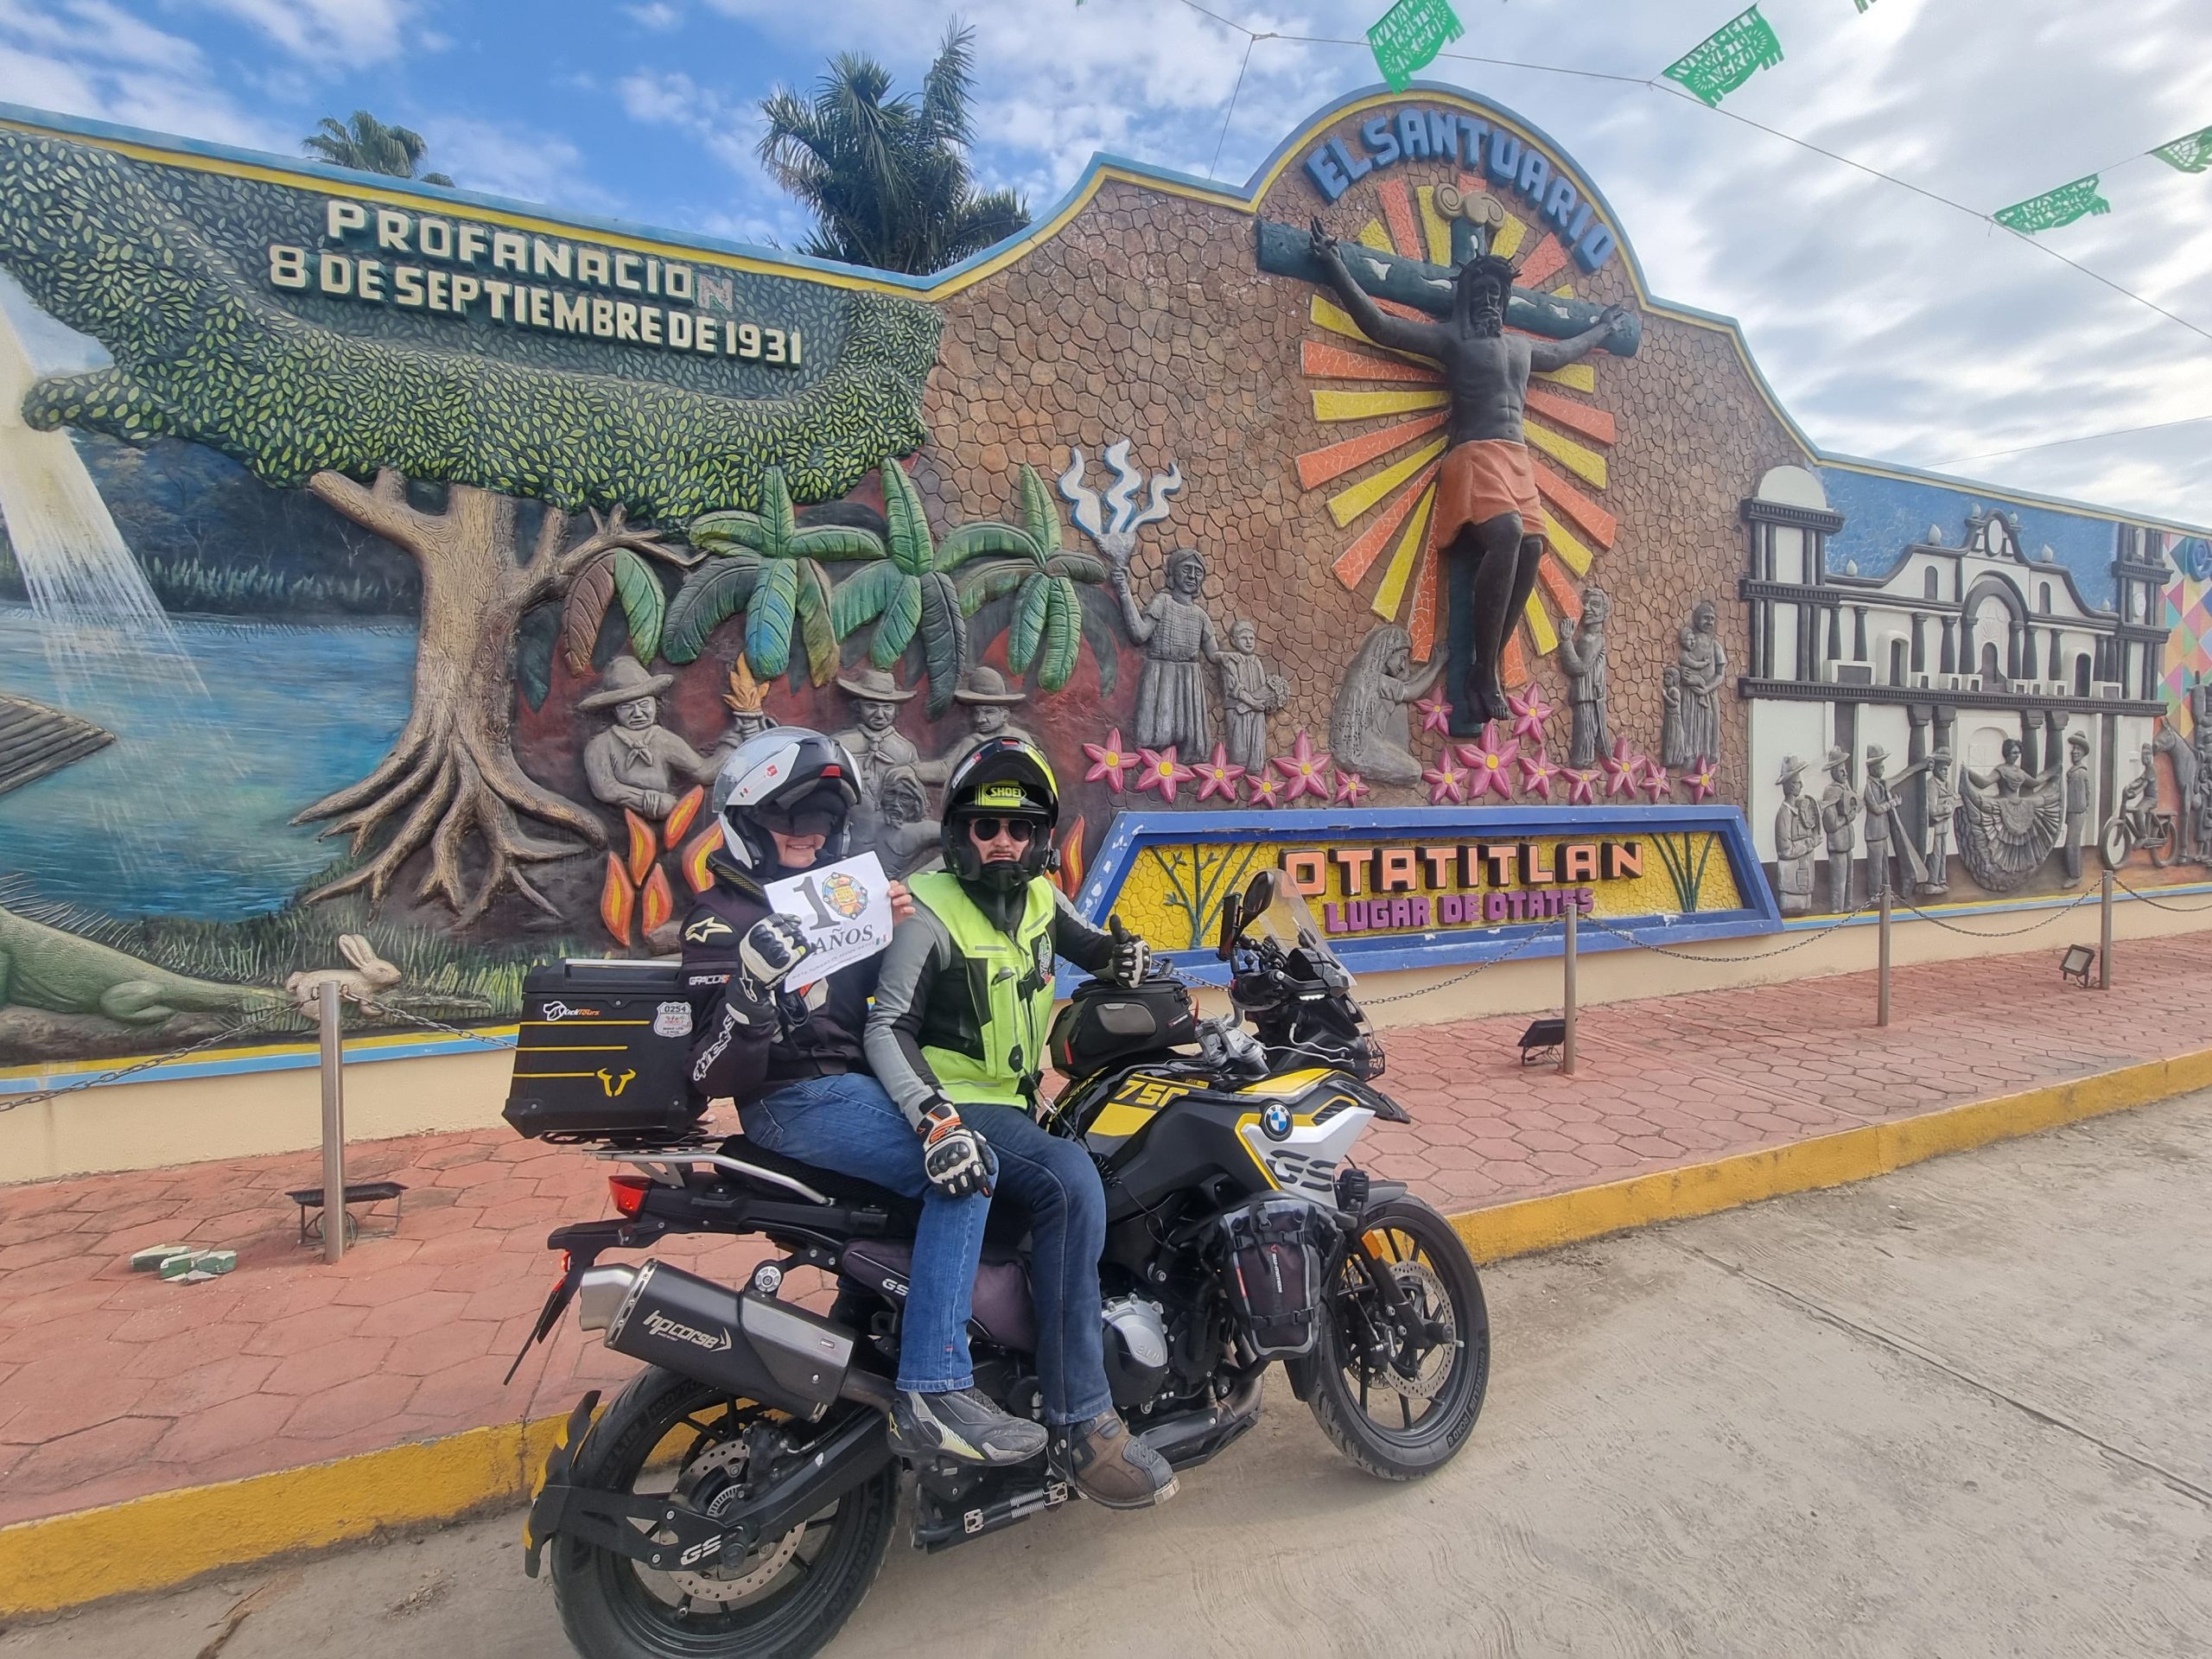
column 201, row 352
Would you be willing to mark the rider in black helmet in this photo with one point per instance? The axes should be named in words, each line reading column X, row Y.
column 787, row 1049
column 958, row 1036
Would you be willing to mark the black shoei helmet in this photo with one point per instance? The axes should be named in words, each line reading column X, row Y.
column 1003, row 777
column 788, row 779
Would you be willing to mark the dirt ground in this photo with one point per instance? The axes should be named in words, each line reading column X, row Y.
column 1957, row 1411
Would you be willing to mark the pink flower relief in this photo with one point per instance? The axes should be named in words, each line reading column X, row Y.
column 1110, row 760
column 1445, row 782
column 1654, row 782
column 1530, row 711
column 1266, row 791
column 1435, row 714
column 1700, row 780
column 1351, row 788
column 1623, row 768
column 1489, row 764
column 1162, row 772
column 1536, row 775
column 1581, row 786
column 1305, row 772
column 1217, row 776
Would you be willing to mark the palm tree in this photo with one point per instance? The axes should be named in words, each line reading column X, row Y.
column 366, row 145
column 887, row 178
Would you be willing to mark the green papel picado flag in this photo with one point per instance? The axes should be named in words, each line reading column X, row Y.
column 2054, row 207
column 1727, row 58
column 1409, row 36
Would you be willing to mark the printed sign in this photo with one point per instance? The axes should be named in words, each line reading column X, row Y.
column 844, row 908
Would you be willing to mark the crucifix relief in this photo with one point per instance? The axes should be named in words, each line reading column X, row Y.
column 1488, row 519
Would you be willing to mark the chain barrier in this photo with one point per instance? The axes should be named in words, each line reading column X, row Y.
column 1457, row 979
column 2158, row 904
column 255, row 1023
column 1756, row 956
column 2065, row 910
column 407, row 1016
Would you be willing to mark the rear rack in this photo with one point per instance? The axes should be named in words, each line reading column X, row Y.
column 664, row 1164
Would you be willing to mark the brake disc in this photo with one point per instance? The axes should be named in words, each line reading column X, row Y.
column 733, row 1581
column 1418, row 1283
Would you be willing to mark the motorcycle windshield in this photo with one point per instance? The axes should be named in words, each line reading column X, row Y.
column 1290, row 923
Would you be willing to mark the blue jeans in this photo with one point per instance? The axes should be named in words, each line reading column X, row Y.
column 849, row 1124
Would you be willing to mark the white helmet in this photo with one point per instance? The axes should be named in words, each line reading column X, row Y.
column 785, row 778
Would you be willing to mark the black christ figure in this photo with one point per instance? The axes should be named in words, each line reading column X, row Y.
column 1486, row 508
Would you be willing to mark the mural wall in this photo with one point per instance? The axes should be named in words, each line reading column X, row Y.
column 382, row 562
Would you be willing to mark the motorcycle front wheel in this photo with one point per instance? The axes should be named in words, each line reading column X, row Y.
column 783, row 1600
column 1401, row 1398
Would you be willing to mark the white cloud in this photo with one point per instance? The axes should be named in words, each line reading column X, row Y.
column 658, row 15
column 339, row 33
column 514, row 161
column 87, row 57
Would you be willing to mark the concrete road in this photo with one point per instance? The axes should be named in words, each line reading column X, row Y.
column 1958, row 1411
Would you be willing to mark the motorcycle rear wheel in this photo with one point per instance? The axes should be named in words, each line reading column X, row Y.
column 614, row 1607
column 1401, row 1410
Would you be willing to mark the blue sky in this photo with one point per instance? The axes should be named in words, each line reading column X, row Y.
column 1890, row 326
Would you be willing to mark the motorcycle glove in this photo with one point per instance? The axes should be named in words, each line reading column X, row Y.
column 771, row 947
column 957, row 1159
column 1131, row 957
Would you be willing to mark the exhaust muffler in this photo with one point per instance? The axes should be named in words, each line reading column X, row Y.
column 743, row 1344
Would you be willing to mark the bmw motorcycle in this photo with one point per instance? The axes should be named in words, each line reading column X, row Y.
column 738, row 1497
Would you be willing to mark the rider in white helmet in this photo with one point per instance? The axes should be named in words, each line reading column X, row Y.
column 787, row 1049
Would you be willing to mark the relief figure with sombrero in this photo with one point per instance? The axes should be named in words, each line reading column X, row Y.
column 983, row 692
column 1797, row 839
column 1487, row 513
column 637, row 762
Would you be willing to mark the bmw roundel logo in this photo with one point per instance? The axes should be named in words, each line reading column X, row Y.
column 1275, row 1122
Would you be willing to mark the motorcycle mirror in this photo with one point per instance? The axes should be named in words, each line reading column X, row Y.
column 1257, row 897
column 1232, row 924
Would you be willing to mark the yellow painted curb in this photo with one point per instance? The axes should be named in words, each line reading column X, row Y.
column 1835, row 1160
column 152, row 1542
column 162, row 1539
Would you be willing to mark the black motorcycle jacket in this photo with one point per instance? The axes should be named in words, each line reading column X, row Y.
column 742, row 1047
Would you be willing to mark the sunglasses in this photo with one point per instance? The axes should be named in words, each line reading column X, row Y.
column 1018, row 831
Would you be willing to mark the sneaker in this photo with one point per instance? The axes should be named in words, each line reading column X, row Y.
column 1110, row 1466
column 961, row 1424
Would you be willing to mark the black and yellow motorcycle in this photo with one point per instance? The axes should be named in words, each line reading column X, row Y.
column 737, row 1497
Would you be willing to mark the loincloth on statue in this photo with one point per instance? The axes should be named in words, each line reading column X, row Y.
column 1485, row 479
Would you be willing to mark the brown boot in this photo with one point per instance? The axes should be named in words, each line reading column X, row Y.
column 1110, row 1466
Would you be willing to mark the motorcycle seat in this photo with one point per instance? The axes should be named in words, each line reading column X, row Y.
column 844, row 1189
column 1008, row 1223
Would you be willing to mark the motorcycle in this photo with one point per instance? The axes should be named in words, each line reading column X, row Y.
column 738, row 1497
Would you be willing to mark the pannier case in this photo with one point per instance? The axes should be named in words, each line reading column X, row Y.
column 604, row 1052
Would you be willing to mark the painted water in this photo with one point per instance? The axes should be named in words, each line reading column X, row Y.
column 190, row 813
column 97, row 624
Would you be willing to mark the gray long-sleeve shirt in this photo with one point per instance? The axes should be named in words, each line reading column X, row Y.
column 918, row 965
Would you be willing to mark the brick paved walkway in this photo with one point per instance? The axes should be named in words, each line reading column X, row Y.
column 113, row 1385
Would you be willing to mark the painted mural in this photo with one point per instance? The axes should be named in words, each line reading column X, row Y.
column 388, row 565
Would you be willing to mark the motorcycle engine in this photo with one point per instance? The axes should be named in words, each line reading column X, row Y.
column 1136, row 1349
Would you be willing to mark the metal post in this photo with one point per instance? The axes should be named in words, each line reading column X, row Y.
column 328, row 1016
column 1566, row 1044
column 1882, row 998
column 2104, row 940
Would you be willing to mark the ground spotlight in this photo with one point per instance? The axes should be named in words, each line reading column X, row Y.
column 2076, row 962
